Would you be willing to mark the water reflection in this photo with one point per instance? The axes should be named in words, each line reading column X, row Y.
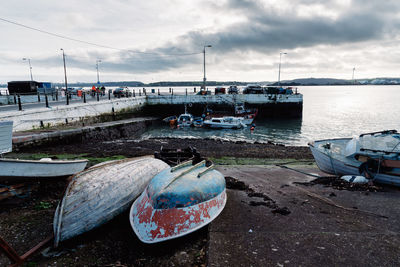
column 286, row 131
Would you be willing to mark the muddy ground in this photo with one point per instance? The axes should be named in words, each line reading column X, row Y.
column 27, row 220
column 207, row 148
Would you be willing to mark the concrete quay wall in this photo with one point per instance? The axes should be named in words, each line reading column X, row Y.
column 45, row 117
column 111, row 131
column 267, row 105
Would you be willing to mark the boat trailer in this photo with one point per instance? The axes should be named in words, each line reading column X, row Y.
column 13, row 255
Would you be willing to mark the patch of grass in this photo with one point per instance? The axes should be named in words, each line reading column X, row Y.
column 43, row 205
column 100, row 160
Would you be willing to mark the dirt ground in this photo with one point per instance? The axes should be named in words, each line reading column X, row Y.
column 27, row 220
column 206, row 147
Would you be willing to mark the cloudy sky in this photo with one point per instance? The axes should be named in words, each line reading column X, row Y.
column 163, row 40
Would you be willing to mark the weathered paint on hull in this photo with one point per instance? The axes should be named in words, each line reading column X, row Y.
column 98, row 194
column 156, row 225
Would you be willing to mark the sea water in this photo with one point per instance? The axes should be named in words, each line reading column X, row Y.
column 328, row 112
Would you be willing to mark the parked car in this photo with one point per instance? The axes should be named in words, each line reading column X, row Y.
column 121, row 92
column 233, row 89
column 219, row 90
column 253, row 89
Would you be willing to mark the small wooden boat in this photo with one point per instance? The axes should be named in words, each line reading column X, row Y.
column 98, row 194
column 375, row 155
column 45, row 167
column 178, row 201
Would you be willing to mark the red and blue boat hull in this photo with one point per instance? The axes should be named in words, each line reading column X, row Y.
column 178, row 202
column 156, row 225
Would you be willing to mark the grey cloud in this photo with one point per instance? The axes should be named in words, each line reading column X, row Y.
column 263, row 32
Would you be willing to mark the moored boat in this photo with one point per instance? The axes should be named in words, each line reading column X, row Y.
column 103, row 191
column 178, row 201
column 375, row 155
column 185, row 120
column 225, row 123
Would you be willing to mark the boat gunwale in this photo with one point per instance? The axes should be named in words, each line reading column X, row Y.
column 10, row 160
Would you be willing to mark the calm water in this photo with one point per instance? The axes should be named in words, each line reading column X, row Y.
column 328, row 112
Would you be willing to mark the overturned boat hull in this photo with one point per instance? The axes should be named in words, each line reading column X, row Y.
column 40, row 168
column 176, row 204
column 98, row 194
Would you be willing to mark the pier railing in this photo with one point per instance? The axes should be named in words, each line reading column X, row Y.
column 223, row 99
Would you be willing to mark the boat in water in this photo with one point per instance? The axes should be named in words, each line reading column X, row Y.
column 45, row 167
column 95, row 196
column 375, row 155
column 178, row 201
column 224, row 123
column 185, row 120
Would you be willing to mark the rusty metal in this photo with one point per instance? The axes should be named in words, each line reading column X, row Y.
column 13, row 255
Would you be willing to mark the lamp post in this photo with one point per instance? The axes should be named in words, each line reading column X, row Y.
column 65, row 76
column 97, row 68
column 30, row 67
column 204, row 66
column 354, row 82
column 279, row 73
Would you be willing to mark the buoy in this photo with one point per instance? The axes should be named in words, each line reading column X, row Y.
column 356, row 179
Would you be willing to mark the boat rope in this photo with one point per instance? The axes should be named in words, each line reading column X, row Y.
column 395, row 146
column 329, row 153
column 305, row 173
column 332, row 203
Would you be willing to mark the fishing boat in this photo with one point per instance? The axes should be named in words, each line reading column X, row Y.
column 198, row 122
column 178, row 201
column 375, row 155
column 185, row 120
column 103, row 191
column 224, row 123
column 45, row 167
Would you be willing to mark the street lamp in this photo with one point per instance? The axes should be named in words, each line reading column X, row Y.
column 30, row 67
column 65, row 76
column 279, row 73
column 354, row 82
column 97, row 68
column 204, row 66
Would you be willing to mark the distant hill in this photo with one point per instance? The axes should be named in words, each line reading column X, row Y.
column 295, row 82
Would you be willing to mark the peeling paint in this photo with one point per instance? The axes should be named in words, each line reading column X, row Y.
column 171, row 207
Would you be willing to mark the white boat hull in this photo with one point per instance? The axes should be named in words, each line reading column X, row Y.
column 98, row 194
column 332, row 165
column 40, row 168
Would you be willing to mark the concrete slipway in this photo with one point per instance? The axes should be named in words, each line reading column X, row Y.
column 325, row 226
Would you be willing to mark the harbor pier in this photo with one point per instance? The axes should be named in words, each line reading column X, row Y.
column 268, row 105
